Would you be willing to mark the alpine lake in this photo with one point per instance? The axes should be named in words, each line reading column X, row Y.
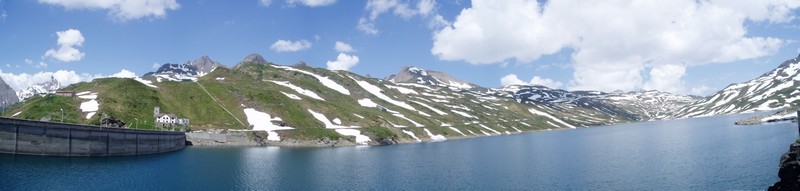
column 690, row 154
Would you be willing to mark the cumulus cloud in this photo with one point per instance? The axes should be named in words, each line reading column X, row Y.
column 513, row 79
column 290, row 46
column 311, row 3
column 666, row 78
column 67, row 51
column 615, row 44
column 424, row 8
column 265, row 3
column 342, row 47
column 25, row 80
column 700, row 90
column 343, row 62
column 123, row 74
column 121, row 10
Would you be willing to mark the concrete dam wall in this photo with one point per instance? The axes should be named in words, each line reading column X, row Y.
column 18, row 136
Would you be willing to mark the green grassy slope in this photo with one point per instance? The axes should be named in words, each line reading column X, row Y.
column 249, row 85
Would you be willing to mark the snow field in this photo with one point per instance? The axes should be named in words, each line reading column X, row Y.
column 537, row 112
column 402, row 90
column 90, row 107
column 291, row 96
column 324, row 80
column 409, row 120
column 435, row 137
column 487, row 128
column 360, row 139
column 366, row 102
column 262, row 121
column 409, row 133
column 458, row 131
column 375, row 90
column 437, row 111
column 300, row 90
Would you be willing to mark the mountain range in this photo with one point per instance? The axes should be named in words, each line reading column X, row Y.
column 303, row 103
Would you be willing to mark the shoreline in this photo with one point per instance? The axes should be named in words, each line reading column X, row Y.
column 250, row 138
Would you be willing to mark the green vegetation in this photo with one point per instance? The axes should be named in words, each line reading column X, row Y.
column 250, row 85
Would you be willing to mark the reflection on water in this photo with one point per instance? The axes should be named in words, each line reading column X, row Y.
column 693, row 154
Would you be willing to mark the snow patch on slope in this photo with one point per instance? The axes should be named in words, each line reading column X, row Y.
column 300, row 90
column 262, row 121
column 324, row 80
column 375, row 90
column 537, row 112
column 435, row 137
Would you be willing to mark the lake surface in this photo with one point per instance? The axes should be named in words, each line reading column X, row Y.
column 692, row 154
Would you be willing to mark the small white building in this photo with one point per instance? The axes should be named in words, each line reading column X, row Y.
column 166, row 119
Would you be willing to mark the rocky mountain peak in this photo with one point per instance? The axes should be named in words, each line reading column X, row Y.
column 301, row 64
column 204, row 64
column 45, row 87
column 254, row 58
column 413, row 74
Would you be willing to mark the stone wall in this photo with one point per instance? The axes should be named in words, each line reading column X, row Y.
column 26, row 137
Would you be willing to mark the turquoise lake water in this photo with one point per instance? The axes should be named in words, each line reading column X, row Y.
column 692, row 154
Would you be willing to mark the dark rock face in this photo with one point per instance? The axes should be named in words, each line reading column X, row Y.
column 789, row 172
column 174, row 69
column 7, row 95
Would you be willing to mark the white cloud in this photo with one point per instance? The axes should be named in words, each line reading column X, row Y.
column 311, row 3
column 700, row 90
column 28, row 61
column 123, row 74
column 3, row 16
column 512, row 79
column 342, row 47
column 546, row 82
column 41, row 65
column 67, row 51
column 438, row 22
column 366, row 26
column 265, row 3
column 343, row 62
column 156, row 65
column 613, row 42
column 121, row 10
column 25, row 80
column 424, row 8
column 666, row 78
column 290, row 46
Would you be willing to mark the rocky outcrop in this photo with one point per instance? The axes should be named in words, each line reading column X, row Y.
column 255, row 58
column 7, row 95
column 789, row 172
column 204, row 64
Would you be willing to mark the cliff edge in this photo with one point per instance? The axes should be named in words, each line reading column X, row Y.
column 789, row 172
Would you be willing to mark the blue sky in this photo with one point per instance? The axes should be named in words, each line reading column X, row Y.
column 685, row 47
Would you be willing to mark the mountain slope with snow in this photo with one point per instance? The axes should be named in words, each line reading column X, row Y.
column 303, row 103
column 46, row 87
column 772, row 90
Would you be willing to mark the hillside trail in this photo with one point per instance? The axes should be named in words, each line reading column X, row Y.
column 220, row 104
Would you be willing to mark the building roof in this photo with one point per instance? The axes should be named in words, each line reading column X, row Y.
column 173, row 116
